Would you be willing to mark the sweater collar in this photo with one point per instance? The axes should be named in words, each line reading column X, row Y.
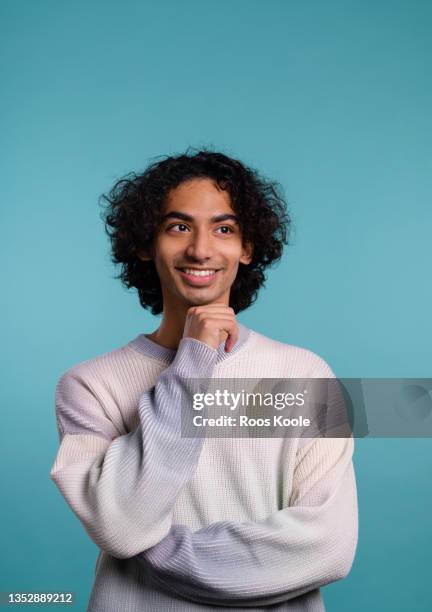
column 144, row 345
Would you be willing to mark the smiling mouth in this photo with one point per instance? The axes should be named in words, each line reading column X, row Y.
column 199, row 272
column 197, row 277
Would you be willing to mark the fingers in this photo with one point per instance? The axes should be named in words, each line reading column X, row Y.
column 212, row 324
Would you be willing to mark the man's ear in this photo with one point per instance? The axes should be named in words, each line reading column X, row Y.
column 247, row 253
column 144, row 256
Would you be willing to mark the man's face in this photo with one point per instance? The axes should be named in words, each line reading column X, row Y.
column 198, row 248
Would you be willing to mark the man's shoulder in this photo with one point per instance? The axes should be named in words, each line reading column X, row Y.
column 103, row 367
column 301, row 360
column 92, row 395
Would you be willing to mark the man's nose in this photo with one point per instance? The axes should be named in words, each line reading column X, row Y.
column 200, row 246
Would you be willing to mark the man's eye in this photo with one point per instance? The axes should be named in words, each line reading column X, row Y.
column 181, row 227
column 226, row 227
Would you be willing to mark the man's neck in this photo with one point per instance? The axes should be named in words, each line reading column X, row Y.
column 170, row 331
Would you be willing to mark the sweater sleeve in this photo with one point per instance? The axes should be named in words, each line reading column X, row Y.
column 302, row 547
column 123, row 487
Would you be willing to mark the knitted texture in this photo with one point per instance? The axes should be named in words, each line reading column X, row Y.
column 200, row 523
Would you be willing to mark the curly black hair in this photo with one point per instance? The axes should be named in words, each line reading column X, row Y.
column 134, row 208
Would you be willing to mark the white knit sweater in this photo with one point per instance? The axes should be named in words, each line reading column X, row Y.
column 192, row 524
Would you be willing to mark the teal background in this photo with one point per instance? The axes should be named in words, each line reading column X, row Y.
column 333, row 99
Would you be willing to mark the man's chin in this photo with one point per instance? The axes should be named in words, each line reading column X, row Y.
column 203, row 300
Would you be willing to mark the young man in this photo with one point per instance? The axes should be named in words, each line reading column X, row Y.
column 199, row 523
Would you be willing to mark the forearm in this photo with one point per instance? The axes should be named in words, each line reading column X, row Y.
column 123, row 490
column 293, row 551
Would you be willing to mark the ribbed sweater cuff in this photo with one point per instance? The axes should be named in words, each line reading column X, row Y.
column 194, row 359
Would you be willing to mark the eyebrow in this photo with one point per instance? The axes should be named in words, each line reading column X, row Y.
column 174, row 214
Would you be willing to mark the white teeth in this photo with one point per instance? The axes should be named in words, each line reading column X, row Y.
column 199, row 272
